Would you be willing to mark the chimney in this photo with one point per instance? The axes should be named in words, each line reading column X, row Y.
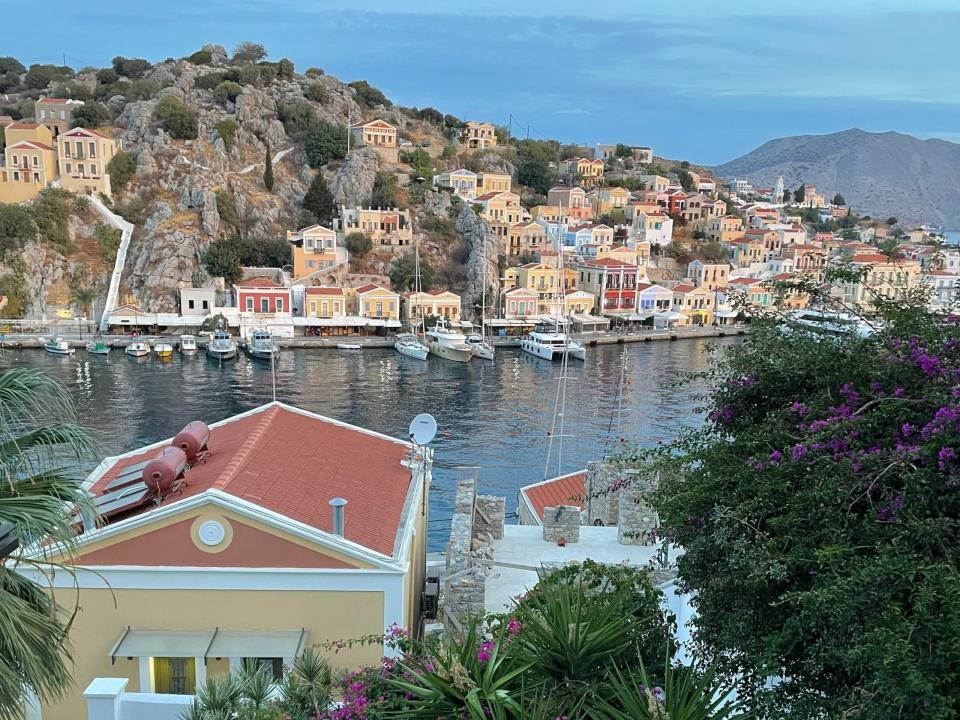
column 338, row 504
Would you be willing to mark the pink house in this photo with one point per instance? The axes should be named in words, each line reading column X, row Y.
column 519, row 303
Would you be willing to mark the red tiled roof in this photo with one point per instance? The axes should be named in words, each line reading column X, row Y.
column 23, row 125
column 557, row 491
column 870, row 258
column 52, row 100
column 487, row 196
column 611, row 262
column 293, row 463
column 367, row 288
column 324, row 291
column 85, row 132
column 29, row 144
column 684, row 288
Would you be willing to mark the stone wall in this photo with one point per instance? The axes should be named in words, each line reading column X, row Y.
column 463, row 598
column 637, row 519
column 603, row 509
column 489, row 517
column 561, row 523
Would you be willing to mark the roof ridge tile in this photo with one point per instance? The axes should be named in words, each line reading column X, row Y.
column 240, row 457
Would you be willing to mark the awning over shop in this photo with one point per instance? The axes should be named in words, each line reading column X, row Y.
column 590, row 319
column 215, row 643
column 335, row 321
column 727, row 313
column 393, row 324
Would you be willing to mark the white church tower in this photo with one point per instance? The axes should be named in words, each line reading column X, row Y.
column 778, row 191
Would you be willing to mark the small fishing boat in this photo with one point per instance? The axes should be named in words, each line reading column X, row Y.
column 222, row 347
column 58, row 346
column 163, row 350
column 138, row 348
column 409, row 344
column 98, row 348
column 187, row 345
column 261, row 346
column 349, row 346
column 481, row 348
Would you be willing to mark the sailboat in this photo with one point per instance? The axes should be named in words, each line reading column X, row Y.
column 409, row 343
column 478, row 343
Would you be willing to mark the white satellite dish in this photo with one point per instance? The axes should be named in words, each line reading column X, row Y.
column 423, row 428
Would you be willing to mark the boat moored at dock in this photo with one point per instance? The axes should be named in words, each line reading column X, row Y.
column 222, row 347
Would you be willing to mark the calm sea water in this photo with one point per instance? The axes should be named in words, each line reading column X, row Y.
column 492, row 415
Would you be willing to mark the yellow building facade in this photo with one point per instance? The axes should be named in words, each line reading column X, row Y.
column 83, row 156
column 30, row 162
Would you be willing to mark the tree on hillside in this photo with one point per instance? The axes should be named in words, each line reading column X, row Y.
column 11, row 65
column 40, row 76
column 817, row 511
column 41, row 451
column 222, row 258
column 325, row 142
column 121, row 168
column 319, row 201
column 369, row 96
column 358, row 244
column 686, row 181
column 384, row 193
column 268, row 170
column 838, row 200
column 91, row 115
column 178, row 120
column 248, row 52
column 891, row 221
column 132, row 68
column 799, row 194
column 623, row 151
column 403, row 273
column 17, row 228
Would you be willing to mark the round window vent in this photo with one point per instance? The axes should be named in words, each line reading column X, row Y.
column 212, row 533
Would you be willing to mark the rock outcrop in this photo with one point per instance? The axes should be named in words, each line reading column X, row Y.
column 353, row 182
column 484, row 249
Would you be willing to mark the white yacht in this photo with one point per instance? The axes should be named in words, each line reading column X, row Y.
column 448, row 343
column 409, row 344
column 829, row 323
column 551, row 345
column 222, row 347
column 187, row 344
column 481, row 348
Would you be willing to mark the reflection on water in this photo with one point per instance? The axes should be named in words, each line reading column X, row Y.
column 492, row 415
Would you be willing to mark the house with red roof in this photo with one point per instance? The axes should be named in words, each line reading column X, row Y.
column 566, row 489
column 29, row 161
column 262, row 296
column 247, row 540
column 431, row 304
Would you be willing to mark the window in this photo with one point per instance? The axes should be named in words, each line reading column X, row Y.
column 69, row 168
column 379, row 309
column 279, row 304
column 93, row 149
column 16, row 160
column 16, row 176
column 93, row 169
column 36, row 177
column 190, row 304
column 80, row 169
column 174, row 676
column 264, row 305
column 206, row 305
column 36, row 161
column 63, row 114
column 43, row 114
column 249, row 304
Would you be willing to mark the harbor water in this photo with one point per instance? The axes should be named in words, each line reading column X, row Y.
column 492, row 416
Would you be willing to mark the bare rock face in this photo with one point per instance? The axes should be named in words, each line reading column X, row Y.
column 256, row 112
column 493, row 162
column 354, row 180
column 484, row 248
column 210, row 217
column 437, row 203
column 218, row 53
column 146, row 164
column 136, row 120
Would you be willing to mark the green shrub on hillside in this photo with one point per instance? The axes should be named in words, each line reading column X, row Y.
column 40, row 76
column 369, row 96
column 201, row 57
column 209, row 81
column 17, row 227
column 359, row 244
column 121, row 168
column 248, row 52
column 384, row 193
column 91, row 115
column 316, row 92
column 297, row 117
column 227, row 91
column 10, row 64
column 132, row 68
column 314, row 72
column 325, row 142
column 51, row 210
column 227, row 130
column 177, row 118
column 109, row 238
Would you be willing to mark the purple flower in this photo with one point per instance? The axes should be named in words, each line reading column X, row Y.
column 888, row 513
column 798, row 451
column 945, row 456
column 800, row 409
column 659, row 694
column 485, row 651
column 513, row 627
column 908, row 429
column 776, row 456
column 899, row 392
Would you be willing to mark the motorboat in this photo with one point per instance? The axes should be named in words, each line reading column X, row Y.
column 187, row 345
column 98, row 348
column 222, row 347
column 163, row 350
column 828, row 323
column 349, row 346
column 552, row 345
column 409, row 344
column 481, row 348
column 261, row 346
column 449, row 344
column 138, row 348
column 58, row 346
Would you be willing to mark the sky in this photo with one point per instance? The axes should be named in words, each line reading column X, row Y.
column 701, row 80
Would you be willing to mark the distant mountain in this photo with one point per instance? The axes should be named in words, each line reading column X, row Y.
column 879, row 174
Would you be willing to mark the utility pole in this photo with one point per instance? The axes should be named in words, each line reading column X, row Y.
column 510, row 128
column 528, row 132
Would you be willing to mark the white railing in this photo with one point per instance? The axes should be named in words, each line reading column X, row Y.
column 108, row 699
column 126, row 232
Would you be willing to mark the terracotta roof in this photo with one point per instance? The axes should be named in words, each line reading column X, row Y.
column 870, row 258
column 52, row 100
column 557, row 491
column 292, row 463
column 29, row 144
column 743, row 281
column 84, row 132
column 782, row 276
column 258, row 282
column 324, row 291
column 23, row 125
column 487, row 196
column 611, row 262
column 684, row 288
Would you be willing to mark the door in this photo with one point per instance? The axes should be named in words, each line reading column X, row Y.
column 264, row 305
column 174, row 676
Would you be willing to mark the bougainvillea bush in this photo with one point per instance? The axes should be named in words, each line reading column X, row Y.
column 818, row 512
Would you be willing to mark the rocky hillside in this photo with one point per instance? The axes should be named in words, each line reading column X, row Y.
column 881, row 174
column 193, row 188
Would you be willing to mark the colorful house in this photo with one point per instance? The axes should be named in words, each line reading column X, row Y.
column 56, row 113
column 435, row 303
column 582, row 171
column 697, row 303
column 606, row 200
column 378, row 303
column 655, row 228
column 724, row 229
column 488, row 182
column 712, row 276
column 270, row 531
column 479, row 135
column 613, row 282
column 314, row 249
column 325, row 302
column 29, row 161
column 84, row 154
column 379, row 135
column 566, row 197
column 460, row 182
column 525, row 237
column 384, row 226
column 520, row 303
column 263, row 296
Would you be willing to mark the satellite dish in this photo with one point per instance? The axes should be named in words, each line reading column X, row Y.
column 423, row 428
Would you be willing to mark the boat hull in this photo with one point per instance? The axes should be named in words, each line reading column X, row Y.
column 58, row 351
column 484, row 351
column 451, row 353
column 222, row 355
column 262, row 354
column 546, row 352
column 138, row 353
column 413, row 351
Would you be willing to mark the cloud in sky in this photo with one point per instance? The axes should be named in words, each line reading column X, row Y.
column 706, row 81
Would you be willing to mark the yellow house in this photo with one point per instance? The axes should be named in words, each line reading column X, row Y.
column 488, row 182
column 657, row 183
column 30, row 162
column 266, row 533
column 385, row 226
column 375, row 302
column 435, row 303
column 325, row 302
column 884, row 278
column 545, row 281
column 724, row 229
column 477, row 135
column 314, row 249
column 379, row 135
column 697, row 303
column 84, row 154
column 525, row 237
column 608, row 199
column 583, row 171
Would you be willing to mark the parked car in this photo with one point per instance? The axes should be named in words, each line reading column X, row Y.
column 424, row 144
column 406, row 143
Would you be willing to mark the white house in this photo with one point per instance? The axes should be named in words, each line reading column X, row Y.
column 655, row 228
